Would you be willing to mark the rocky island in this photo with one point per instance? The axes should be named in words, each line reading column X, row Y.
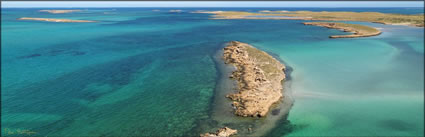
column 223, row 132
column 59, row 11
column 54, row 20
column 259, row 77
column 357, row 30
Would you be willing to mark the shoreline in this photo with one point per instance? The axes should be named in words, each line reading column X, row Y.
column 357, row 30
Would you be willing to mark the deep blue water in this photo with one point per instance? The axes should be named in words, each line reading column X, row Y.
column 139, row 72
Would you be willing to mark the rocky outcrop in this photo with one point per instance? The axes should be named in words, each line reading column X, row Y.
column 259, row 77
column 357, row 30
column 222, row 132
column 54, row 20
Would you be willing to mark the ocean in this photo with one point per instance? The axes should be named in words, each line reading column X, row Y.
column 142, row 72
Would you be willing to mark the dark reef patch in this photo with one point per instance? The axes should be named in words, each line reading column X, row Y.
column 55, row 52
column 395, row 124
column 275, row 112
column 285, row 128
column 29, row 56
column 77, row 53
column 288, row 72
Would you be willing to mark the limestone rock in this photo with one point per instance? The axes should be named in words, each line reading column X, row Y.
column 259, row 77
column 222, row 132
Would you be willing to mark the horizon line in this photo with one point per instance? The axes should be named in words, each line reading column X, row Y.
column 213, row 7
column 212, row 4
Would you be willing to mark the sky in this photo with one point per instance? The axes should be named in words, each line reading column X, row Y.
column 28, row 4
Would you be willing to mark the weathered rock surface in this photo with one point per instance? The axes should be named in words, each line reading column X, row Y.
column 222, row 132
column 259, row 77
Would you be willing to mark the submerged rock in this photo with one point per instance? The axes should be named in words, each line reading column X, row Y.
column 222, row 132
column 259, row 77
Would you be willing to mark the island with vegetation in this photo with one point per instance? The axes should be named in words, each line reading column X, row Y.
column 375, row 17
column 59, row 11
column 54, row 20
column 356, row 29
column 259, row 77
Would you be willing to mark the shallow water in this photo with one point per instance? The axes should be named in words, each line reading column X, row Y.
column 222, row 112
column 368, row 87
column 145, row 73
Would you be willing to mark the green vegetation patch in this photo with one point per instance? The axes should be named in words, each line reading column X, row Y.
column 268, row 62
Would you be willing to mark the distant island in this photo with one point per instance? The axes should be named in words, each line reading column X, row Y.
column 356, row 29
column 375, row 17
column 175, row 10
column 259, row 77
column 59, row 11
column 54, row 20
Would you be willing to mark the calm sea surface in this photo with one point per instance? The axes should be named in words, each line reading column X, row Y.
column 139, row 72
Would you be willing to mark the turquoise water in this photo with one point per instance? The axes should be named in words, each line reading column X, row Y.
column 139, row 72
